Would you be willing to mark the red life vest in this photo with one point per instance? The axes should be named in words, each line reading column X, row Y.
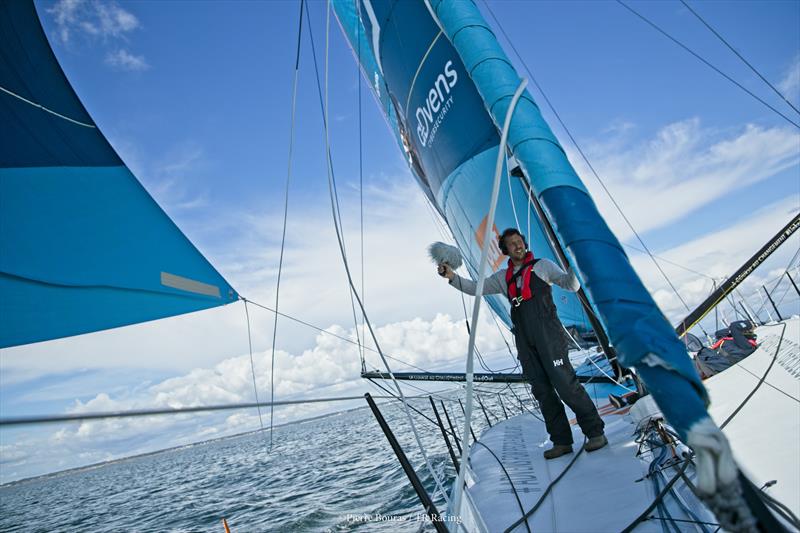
column 721, row 341
column 525, row 273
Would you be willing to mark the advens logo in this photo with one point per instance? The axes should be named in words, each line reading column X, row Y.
column 437, row 104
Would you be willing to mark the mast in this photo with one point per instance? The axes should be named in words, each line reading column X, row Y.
column 635, row 325
column 738, row 277
column 602, row 338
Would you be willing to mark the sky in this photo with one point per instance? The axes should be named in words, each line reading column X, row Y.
column 196, row 97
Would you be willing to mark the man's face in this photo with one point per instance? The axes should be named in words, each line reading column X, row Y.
column 516, row 247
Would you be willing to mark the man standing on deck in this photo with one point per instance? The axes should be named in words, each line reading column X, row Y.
column 541, row 343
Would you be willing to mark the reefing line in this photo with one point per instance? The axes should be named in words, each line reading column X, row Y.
column 476, row 307
column 43, row 108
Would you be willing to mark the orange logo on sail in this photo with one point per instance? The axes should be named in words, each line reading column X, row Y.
column 495, row 256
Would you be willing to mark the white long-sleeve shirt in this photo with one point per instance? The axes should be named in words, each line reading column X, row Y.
column 545, row 269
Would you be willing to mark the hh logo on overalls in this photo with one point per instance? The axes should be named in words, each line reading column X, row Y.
column 558, row 362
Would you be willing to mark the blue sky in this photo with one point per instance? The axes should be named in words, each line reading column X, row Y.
column 196, row 98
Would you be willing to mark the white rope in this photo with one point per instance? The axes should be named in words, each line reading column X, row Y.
column 253, row 371
column 43, row 108
column 283, row 234
column 478, row 293
column 354, row 292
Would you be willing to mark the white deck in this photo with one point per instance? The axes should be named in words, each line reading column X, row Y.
column 765, row 434
column 599, row 493
column 603, row 490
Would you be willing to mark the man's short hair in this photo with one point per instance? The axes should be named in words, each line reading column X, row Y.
column 508, row 232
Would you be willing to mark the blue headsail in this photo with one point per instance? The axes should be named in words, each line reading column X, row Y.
column 445, row 85
column 83, row 246
column 440, row 123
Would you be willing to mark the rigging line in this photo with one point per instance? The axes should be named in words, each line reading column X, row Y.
column 758, row 385
column 477, row 352
column 435, row 393
column 732, row 49
column 502, row 335
column 345, row 339
column 583, row 155
column 698, row 522
column 785, row 292
column 591, row 360
column 479, row 290
column 285, row 218
column 779, row 507
column 132, row 413
column 657, row 500
column 253, row 371
column 43, row 108
column 360, row 177
column 673, row 263
column 769, row 384
column 774, row 287
column 546, row 491
column 323, row 102
column 510, row 482
column 394, row 396
column 522, row 405
column 704, row 61
column 354, row 292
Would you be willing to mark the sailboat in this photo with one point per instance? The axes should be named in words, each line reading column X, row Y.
column 446, row 100
column 457, row 105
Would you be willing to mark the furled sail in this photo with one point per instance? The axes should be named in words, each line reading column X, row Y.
column 83, row 246
column 441, row 124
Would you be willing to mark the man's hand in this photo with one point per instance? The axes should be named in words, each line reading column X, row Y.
column 445, row 271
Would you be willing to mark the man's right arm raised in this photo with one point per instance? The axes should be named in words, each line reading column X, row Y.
column 494, row 284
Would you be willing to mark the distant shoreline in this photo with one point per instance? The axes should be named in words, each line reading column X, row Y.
column 92, row 466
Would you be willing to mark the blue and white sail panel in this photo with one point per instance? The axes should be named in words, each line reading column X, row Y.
column 443, row 128
column 83, row 246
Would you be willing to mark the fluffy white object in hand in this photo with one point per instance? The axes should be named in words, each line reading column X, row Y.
column 445, row 253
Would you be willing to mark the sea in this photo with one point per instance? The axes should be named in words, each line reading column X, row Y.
column 336, row 473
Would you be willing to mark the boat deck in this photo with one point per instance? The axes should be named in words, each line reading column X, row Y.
column 607, row 489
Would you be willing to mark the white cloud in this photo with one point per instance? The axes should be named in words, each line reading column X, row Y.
column 789, row 86
column 124, row 60
column 685, row 167
column 330, row 368
column 718, row 255
column 99, row 20
column 92, row 17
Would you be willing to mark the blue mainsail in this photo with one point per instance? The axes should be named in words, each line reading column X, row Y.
column 83, row 246
column 445, row 85
column 441, row 125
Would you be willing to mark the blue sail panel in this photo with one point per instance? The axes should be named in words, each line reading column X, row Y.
column 444, row 130
column 83, row 246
